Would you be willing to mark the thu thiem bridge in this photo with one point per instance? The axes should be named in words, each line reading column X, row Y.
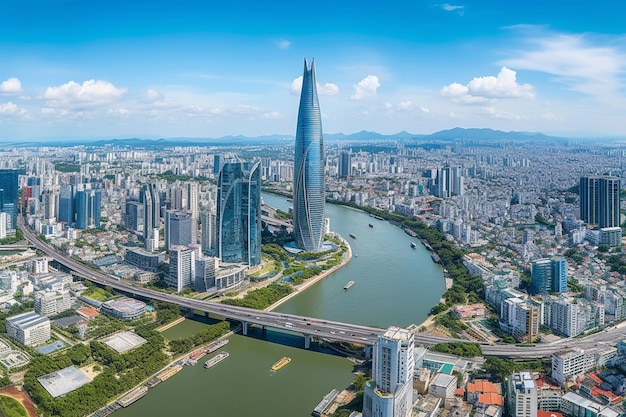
column 309, row 327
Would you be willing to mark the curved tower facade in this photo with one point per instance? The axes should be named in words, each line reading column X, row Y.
column 239, row 213
column 308, row 172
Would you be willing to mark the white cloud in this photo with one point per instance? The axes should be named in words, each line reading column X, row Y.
column 459, row 93
column 450, row 8
column 328, row 89
column 11, row 86
column 482, row 89
column 424, row 109
column 454, row 90
column 245, row 109
column 89, row 93
column 405, row 105
column 366, row 88
column 284, row 44
column 296, row 86
column 273, row 115
column 152, row 94
column 11, row 108
column 576, row 62
column 500, row 114
column 503, row 86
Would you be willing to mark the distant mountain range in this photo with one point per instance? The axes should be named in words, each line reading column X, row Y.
column 456, row 133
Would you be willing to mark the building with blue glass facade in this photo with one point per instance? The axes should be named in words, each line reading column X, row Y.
column 308, row 175
column 9, row 193
column 239, row 213
column 549, row 275
column 179, row 229
column 67, row 204
column 151, row 200
column 88, row 208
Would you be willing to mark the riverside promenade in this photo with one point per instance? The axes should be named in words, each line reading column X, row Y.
column 312, row 281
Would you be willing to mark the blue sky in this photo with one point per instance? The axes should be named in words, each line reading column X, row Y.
column 95, row 69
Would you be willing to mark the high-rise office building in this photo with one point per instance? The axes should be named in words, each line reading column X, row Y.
column 8, row 184
column 182, row 271
column 209, row 235
column 449, row 182
column 50, row 204
column 88, row 208
column 184, row 196
column 600, row 200
column 239, row 213
column 549, row 275
column 308, row 177
column 390, row 392
column 35, row 184
column 151, row 201
column 608, row 202
column 134, row 216
column 217, row 164
column 589, row 199
column 344, row 168
column 67, row 204
column 179, row 229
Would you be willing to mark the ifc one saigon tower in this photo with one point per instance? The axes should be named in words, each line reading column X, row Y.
column 308, row 173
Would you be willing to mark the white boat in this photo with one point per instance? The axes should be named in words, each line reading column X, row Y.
column 216, row 359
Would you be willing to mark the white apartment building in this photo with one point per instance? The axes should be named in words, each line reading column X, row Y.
column 571, row 363
column 389, row 393
column 50, row 303
column 28, row 328
column 522, row 395
column 182, row 267
column 40, row 266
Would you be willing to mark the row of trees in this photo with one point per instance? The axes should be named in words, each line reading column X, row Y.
column 261, row 298
column 212, row 332
column 120, row 373
column 465, row 349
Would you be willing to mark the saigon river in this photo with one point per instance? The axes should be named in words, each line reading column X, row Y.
column 394, row 285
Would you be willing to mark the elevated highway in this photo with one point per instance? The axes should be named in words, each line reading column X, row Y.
column 308, row 326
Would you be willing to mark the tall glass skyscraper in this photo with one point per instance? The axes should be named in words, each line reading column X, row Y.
column 308, row 173
column 152, row 209
column 549, row 275
column 9, row 195
column 600, row 201
column 239, row 213
column 88, row 209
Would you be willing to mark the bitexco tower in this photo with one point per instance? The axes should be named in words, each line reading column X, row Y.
column 308, row 175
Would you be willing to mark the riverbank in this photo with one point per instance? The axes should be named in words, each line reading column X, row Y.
column 312, row 281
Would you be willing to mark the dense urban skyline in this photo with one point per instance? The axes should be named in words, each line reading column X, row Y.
column 82, row 70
